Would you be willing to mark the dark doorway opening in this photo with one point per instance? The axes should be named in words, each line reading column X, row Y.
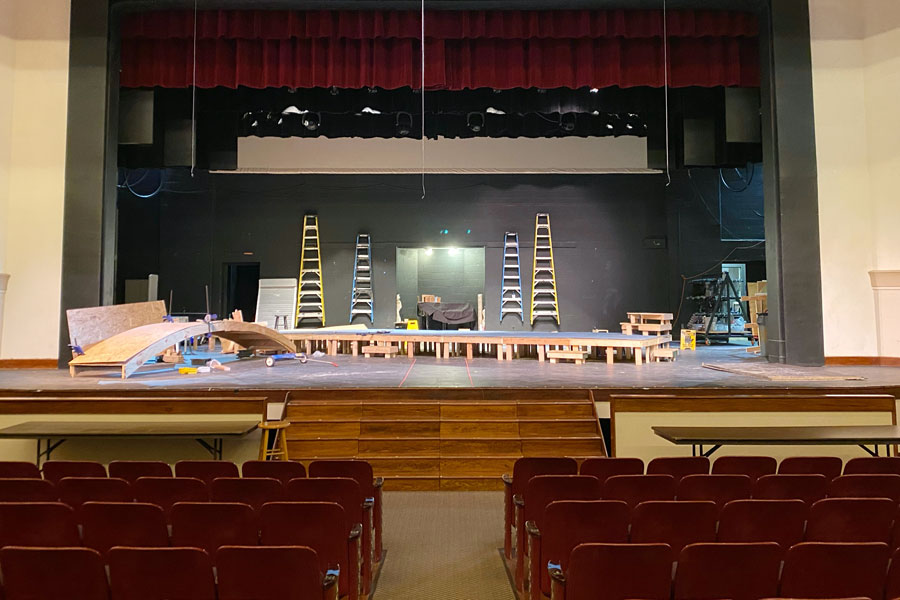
column 241, row 288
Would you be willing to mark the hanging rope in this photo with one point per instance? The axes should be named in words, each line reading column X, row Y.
column 423, row 97
column 194, row 98
column 666, row 87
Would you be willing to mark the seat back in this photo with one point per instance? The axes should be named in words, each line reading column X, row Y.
column 544, row 489
column 108, row 524
column 678, row 466
column 865, row 486
column 340, row 490
column 530, row 466
column 358, row 470
column 892, row 585
column 809, row 488
column 568, row 523
column 19, row 469
column 27, row 490
column 634, row 489
column 619, row 572
column 283, row 572
column 43, row 524
column 160, row 574
column 55, row 470
column 206, row 470
column 823, row 570
column 753, row 467
column 674, row 523
column 130, row 470
column 735, row 571
column 53, row 574
column 211, row 525
column 75, row 491
column 851, row 520
column 720, row 489
column 604, row 468
column 779, row 521
column 827, row 466
column 166, row 491
column 871, row 465
column 254, row 491
column 282, row 470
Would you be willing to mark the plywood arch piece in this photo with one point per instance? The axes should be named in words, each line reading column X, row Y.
column 132, row 348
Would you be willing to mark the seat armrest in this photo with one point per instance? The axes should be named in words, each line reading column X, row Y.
column 557, row 583
column 518, row 500
column 369, row 503
column 532, row 529
column 507, row 478
column 379, row 481
column 356, row 531
column 330, row 584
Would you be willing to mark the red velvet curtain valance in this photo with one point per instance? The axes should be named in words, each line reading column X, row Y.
column 354, row 49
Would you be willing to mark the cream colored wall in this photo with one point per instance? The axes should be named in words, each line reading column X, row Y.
column 32, row 148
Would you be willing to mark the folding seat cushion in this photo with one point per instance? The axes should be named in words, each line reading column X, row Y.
column 523, row 470
column 871, row 465
column 616, row 572
column 75, row 491
column 865, row 486
column 160, row 574
column 54, row 470
column 130, row 470
column 108, row 524
column 19, row 469
column 282, row 470
column 674, row 523
column 371, row 486
column 254, row 491
column 211, row 525
column 53, row 574
column 734, row 571
column 779, row 521
column 271, row 573
column 851, row 520
column 828, row 466
column 892, row 586
column 568, row 523
column 720, row 489
column 27, row 490
column 322, row 526
column 808, row 488
column 166, row 491
column 753, row 467
column 829, row 570
column 44, row 524
column 206, row 470
column 678, row 466
column 634, row 489
column 604, row 468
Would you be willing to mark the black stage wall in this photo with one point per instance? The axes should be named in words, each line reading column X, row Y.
column 604, row 231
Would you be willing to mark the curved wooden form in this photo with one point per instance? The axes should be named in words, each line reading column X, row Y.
column 131, row 349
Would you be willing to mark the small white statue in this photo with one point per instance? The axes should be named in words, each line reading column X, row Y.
column 399, row 306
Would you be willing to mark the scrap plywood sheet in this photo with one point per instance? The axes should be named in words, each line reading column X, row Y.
column 277, row 297
column 87, row 326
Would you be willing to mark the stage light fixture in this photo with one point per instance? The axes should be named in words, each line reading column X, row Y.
column 311, row 121
column 494, row 111
column 335, row 91
column 475, row 121
column 594, row 90
column 567, row 122
column 633, row 123
column 403, row 124
column 293, row 110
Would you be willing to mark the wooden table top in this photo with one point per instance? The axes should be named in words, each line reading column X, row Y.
column 133, row 429
column 826, row 434
column 651, row 316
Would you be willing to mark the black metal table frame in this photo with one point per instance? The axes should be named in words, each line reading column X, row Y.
column 697, row 449
column 46, row 446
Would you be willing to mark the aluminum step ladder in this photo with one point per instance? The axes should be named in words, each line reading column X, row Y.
column 310, row 293
column 362, row 296
column 544, row 299
column 511, row 283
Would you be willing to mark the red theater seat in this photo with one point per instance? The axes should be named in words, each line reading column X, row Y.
column 615, row 572
column 282, row 470
column 272, row 573
column 892, row 586
column 865, row 486
column 27, row 490
column 161, row 574
column 55, row 470
column 809, row 488
column 822, row 570
column 634, row 489
column 676, row 524
column 851, row 520
column 720, row 489
column 253, row 491
column 779, row 521
column 678, row 466
column 19, row 470
column 44, row 524
column 166, row 491
column 211, row 525
column 108, row 524
column 206, row 470
column 75, row 491
column 523, row 470
column 828, row 466
column 53, row 574
column 130, row 470
column 734, row 571
column 604, row 468
column 753, row 467
column 873, row 465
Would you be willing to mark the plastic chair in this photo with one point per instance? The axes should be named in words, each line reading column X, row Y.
column 55, row 470
column 634, row 489
column 211, row 525
column 679, row 466
column 282, row 470
column 615, row 572
column 753, row 467
column 16, row 469
column 160, row 574
column 604, row 468
column 254, row 491
column 676, row 524
column 865, row 486
column 720, row 489
column 272, row 573
column 131, row 470
column 851, row 520
column 43, row 524
column 873, row 465
column 734, row 571
column 27, row 490
column 823, row 570
column 108, row 524
column 75, row 491
column 779, row 521
column 166, row 491
column 53, row 574
column 808, row 488
column 828, row 466
column 206, row 470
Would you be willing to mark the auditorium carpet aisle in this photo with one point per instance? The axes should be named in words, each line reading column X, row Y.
column 443, row 546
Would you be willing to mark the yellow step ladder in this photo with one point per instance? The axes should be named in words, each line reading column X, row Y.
column 310, row 293
column 544, row 299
